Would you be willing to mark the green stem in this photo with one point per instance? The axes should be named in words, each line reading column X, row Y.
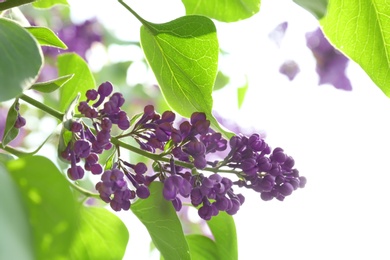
column 139, row 18
column 42, row 106
column 157, row 157
column 84, row 191
column 13, row 150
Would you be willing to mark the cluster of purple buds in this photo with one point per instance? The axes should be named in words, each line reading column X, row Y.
column 86, row 143
column 270, row 173
column 20, row 121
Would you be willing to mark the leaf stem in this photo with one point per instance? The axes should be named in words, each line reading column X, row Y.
column 84, row 191
column 139, row 18
column 42, row 106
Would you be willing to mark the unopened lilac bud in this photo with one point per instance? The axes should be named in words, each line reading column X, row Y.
column 82, row 148
column 143, row 192
column 75, row 173
column 105, row 89
column 20, row 122
column 91, row 94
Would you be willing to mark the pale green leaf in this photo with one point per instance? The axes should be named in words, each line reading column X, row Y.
column 162, row 223
column 52, row 211
column 100, row 235
column 202, row 247
column 71, row 63
column 360, row 29
column 241, row 92
column 225, row 11
column 51, row 85
column 21, row 59
column 48, row 3
column 46, row 37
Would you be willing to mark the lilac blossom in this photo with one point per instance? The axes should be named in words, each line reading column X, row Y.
column 331, row 64
column 289, row 68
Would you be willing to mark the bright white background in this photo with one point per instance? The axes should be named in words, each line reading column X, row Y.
column 340, row 140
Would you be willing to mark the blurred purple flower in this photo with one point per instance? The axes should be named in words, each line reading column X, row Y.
column 289, row 68
column 78, row 38
column 277, row 34
column 331, row 64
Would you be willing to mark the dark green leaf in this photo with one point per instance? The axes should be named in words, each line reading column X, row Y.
column 224, row 231
column 16, row 238
column 225, row 11
column 315, row 7
column 360, row 30
column 162, row 223
column 13, row 3
column 183, row 55
column 71, row 63
column 46, row 37
column 52, row 85
column 101, row 235
column 49, row 3
column 10, row 132
column 52, row 209
column 21, row 59
column 241, row 92
column 202, row 248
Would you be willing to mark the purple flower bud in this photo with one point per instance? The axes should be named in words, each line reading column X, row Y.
column 20, row 121
column 91, row 94
column 143, row 192
column 82, row 148
column 76, row 127
column 105, row 89
column 177, row 204
column 75, row 173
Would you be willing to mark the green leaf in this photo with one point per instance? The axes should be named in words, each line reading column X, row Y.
column 101, row 235
column 221, row 81
column 162, row 223
column 16, row 238
column 202, row 247
column 51, row 85
column 183, row 55
column 224, row 231
column 46, row 37
column 48, row 3
column 71, row 63
column 10, row 132
column 315, row 7
column 360, row 30
column 21, row 59
column 241, row 92
column 225, row 11
column 13, row 3
column 52, row 209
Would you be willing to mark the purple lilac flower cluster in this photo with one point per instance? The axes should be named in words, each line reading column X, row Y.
column 184, row 157
column 86, row 143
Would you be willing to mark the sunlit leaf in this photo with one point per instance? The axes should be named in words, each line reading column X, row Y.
column 223, row 229
column 71, row 63
column 315, row 7
column 241, row 92
column 46, row 37
column 221, row 81
column 183, row 55
column 225, row 11
column 19, row 48
column 51, row 207
column 360, row 30
column 16, row 239
column 7, row 4
column 49, row 3
column 162, row 223
column 52, row 85
column 202, row 248
column 101, row 235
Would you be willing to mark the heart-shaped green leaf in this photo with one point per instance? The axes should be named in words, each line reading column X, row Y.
column 225, row 11
column 202, row 247
column 360, row 30
column 162, row 223
column 183, row 55
column 21, row 59
column 46, row 37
